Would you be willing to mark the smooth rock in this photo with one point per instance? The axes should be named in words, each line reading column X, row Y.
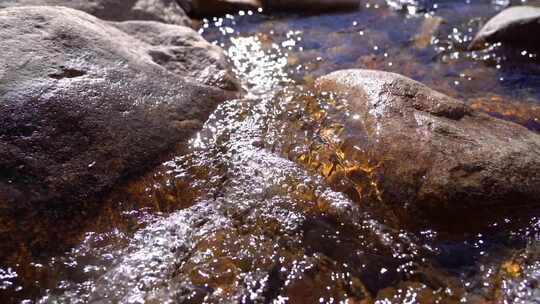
column 83, row 104
column 516, row 26
column 434, row 154
column 206, row 8
column 311, row 5
column 168, row 11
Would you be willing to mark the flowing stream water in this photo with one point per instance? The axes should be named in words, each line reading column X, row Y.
column 255, row 209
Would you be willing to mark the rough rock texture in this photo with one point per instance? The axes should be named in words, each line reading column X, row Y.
column 311, row 5
column 516, row 25
column 435, row 153
column 167, row 11
column 182, row 51
column 83, row 104
column 204, row 8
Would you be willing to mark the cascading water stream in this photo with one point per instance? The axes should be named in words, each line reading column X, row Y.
column 251, row 211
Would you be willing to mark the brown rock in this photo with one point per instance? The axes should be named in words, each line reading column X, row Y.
column 434, row 153
column 83, row 104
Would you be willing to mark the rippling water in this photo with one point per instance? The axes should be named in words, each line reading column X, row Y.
column 260, row 207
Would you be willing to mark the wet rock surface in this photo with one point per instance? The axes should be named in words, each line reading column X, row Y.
column 167, row 11
column 515, row 26
column 430, row 151
column 265, row 228
column 83, row 104
column 271, row 231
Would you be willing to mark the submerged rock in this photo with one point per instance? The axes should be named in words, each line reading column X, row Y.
column 428, row 30
column 517, row 26
column 273, row 231
column 167, row 11
column 205, row 8
column 519, row 277
column 433, row 154
column 83, row 104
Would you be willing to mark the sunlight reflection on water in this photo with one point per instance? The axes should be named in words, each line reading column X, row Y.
column 265, row 222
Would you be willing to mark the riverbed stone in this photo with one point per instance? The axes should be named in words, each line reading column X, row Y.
column 433, row 154
column 167, row 11
column 515, row 26
column 84, row 104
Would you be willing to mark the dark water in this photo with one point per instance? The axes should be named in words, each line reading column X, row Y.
column 428, row 46
column 249, row 213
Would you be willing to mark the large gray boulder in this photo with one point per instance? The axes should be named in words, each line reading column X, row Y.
column 168, row 11
column 517, row 26
column 433, row 154
column 84, row 104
